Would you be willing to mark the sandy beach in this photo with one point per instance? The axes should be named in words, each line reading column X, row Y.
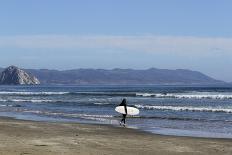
column 18, row 137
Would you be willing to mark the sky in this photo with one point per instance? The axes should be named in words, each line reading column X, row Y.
column 137, row 34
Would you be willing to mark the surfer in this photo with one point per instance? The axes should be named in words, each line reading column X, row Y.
column 124, row 115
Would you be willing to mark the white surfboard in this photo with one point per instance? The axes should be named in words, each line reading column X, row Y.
column 130, row 110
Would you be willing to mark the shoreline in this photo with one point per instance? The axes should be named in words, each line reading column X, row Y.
column 162, row 133
column 38, row 137
column 113, row 126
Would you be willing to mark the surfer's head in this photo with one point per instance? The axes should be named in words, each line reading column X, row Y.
column 124, row 101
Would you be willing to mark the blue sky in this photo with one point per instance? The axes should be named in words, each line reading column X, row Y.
column 139, row 34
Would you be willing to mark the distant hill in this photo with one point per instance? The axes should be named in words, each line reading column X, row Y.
column 122, row 76
column 13, row 75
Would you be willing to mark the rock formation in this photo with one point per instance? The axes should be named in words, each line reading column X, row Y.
column 12, row 75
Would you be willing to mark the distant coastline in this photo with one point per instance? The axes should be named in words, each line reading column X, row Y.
column 152, row 76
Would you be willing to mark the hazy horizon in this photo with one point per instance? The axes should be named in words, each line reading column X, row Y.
column 178, row 34
column 110, row 69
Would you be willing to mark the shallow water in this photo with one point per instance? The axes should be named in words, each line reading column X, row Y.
column 199, row 111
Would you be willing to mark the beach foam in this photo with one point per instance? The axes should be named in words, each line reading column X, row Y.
column 31, row 93
column 188, row 96
column 185, row 108
column 67, row 114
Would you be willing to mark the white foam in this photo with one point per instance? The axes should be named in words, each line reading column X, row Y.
column 199, row 95
column 39, row 100
column 100, row 103
column 146, row 94
column 67, row 115
column 34, row 101
column 32, row 93
column 21, row 100
column 186, row 108
column 3, row 105
column 2, row 100
column 48, row 101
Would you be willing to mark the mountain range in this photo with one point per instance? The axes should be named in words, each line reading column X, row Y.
column 121, row 76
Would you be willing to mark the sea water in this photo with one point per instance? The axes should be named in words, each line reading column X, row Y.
column 199, row 111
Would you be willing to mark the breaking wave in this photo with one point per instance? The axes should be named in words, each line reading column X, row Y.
column 32, row 93
column 101, row 103
column 53, row 101
column 68, row 93
column 196, row 95
column 185, row 108
column 33, row 101
column 188, row 96
column 6, row 105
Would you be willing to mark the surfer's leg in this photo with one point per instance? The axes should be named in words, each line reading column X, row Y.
column 124, row 122
column 121, row 121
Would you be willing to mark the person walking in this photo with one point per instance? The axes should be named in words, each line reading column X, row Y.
column 123, row 103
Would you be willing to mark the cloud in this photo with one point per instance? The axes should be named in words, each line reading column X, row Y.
column 145, row 43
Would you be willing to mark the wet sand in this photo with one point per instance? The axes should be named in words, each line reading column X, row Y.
column 19, row 137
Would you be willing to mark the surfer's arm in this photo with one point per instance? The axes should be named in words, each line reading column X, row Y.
column 125, row 109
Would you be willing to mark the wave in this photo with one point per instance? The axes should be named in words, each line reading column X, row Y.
column 101, row 103
column 6, row 105
column 67, row 114
column 1, row 100
column 33, row 93
column 187, row 96
column 185, row 108
column 110, row 117
column 52, row 101
column 33, row 101
column 105, row 93
column 68, row 93
column 193, row 95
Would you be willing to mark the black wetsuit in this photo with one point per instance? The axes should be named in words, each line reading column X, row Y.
column 124, row 115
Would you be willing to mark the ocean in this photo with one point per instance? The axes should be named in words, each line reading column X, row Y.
column 198, row 111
